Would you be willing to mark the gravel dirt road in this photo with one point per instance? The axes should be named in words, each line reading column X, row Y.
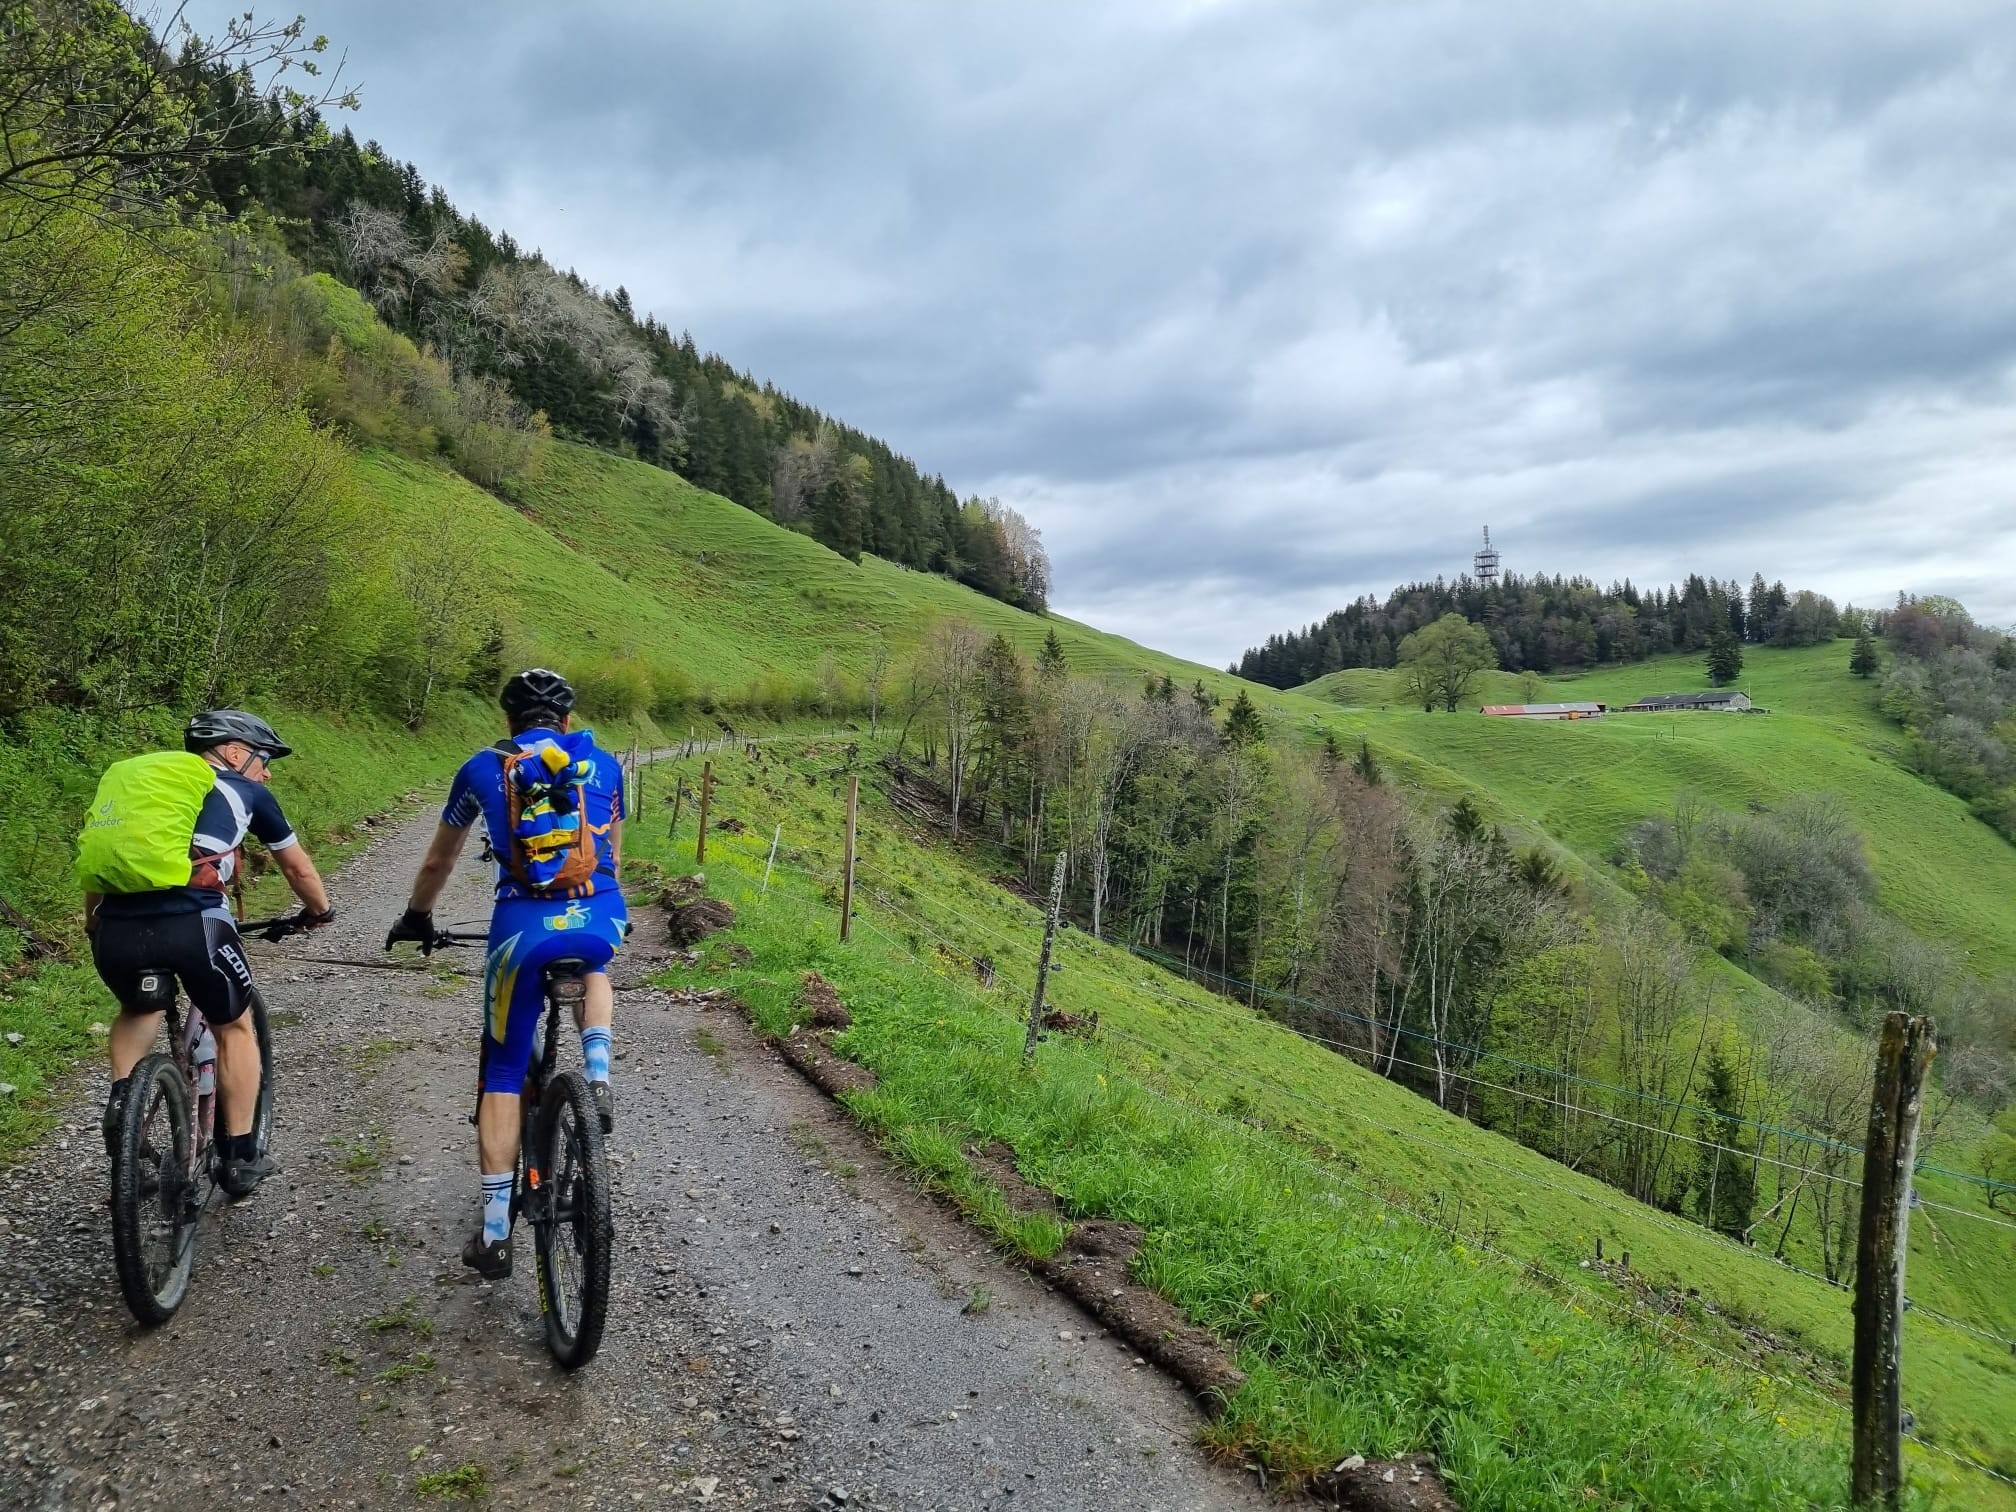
column 791, row 1326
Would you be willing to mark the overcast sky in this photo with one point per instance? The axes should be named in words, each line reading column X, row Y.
column 1255, row 307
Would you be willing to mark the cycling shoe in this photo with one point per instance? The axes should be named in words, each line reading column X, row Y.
column 491, row 1260
column 241, row 1177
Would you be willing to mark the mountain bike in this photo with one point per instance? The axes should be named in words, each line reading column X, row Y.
column 561, row 1176
column 163, row 1174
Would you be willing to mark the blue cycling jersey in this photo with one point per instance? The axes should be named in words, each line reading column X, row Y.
column 478, row 792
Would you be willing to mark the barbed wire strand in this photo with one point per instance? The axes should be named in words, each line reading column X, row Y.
column 1647, row 1217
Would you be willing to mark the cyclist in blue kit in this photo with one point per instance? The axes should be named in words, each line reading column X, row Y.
column 551, row 801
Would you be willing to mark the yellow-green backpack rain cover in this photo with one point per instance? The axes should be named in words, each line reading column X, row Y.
column 137, row 831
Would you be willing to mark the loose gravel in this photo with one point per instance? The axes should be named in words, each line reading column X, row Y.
column 791, row 1324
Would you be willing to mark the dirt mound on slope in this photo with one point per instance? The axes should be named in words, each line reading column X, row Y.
column 687, row 924
column 822, row 1066
column 1383, row 1486
column 822, row 1003
column 1091, row 1269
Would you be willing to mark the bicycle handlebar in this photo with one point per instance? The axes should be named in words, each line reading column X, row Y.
column 274, row 929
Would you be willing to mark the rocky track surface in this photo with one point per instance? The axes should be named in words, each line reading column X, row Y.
column 791, row 1325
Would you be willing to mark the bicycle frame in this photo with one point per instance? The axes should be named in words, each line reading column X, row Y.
column 562, row 986
column 159, row 1193
column 184, row 1031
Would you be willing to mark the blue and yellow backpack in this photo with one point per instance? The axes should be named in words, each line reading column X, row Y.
column 551, row 847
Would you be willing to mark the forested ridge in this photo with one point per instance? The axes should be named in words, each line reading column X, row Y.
column 585, row 359
column 1551, row 624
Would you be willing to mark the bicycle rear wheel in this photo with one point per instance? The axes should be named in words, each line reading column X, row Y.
column 262, row 1114
column 153, row 1216
column 572, row 1230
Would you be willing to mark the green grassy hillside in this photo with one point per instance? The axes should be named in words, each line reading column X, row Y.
column 603, row 558
column 1272, row 1174
column 1944, row 872
column 648, row 565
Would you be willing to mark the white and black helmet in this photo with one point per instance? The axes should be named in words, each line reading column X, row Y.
column 215, row 727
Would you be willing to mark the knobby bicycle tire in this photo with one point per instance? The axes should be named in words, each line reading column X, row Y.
column 153, row 1300
column 584, row 1237
column 262, row 1113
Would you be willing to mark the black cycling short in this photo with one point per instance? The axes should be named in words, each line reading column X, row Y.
column 201, row 949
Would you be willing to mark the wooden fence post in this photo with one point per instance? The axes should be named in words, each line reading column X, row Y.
column 1876, row 1406
column 678, row 795
column 847, row 868
column 1043, row 961
column 706, row 795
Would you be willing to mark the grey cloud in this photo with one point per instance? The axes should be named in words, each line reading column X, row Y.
column 1253, row 307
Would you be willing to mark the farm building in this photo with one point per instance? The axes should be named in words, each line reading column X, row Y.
column 1721, row 701
column 1545, row 711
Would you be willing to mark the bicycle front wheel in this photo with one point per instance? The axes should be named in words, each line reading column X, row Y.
column 572, row 1230
column 153, row 1194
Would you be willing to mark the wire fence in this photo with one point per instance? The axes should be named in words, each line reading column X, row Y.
column 1614, row 1197
column 1444, row 1071
column 1241, row 987
column 1636, row 1312
column 1665, row 1317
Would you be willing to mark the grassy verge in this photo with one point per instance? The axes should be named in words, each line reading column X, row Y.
column 1276, row 1181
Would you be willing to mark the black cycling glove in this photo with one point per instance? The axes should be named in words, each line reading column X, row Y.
column 415, row 926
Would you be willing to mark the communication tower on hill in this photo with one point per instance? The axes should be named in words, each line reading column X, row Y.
column 1484, row 565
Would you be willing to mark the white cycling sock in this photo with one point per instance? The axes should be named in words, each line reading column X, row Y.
column 595, row 1051
column 496, row 1207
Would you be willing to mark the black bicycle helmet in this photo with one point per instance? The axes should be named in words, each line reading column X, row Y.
column 537, row 691
column 215, row 727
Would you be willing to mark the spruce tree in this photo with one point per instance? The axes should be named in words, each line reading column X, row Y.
column 1365, row 766
column 1725, row 658
column 1726, row 1185
column 1863, row 660
column 1050, row 660
column 1242, row 723
column 1466, row 821
column 1539, row 873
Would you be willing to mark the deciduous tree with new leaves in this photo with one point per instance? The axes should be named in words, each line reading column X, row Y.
column 1440, row 662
